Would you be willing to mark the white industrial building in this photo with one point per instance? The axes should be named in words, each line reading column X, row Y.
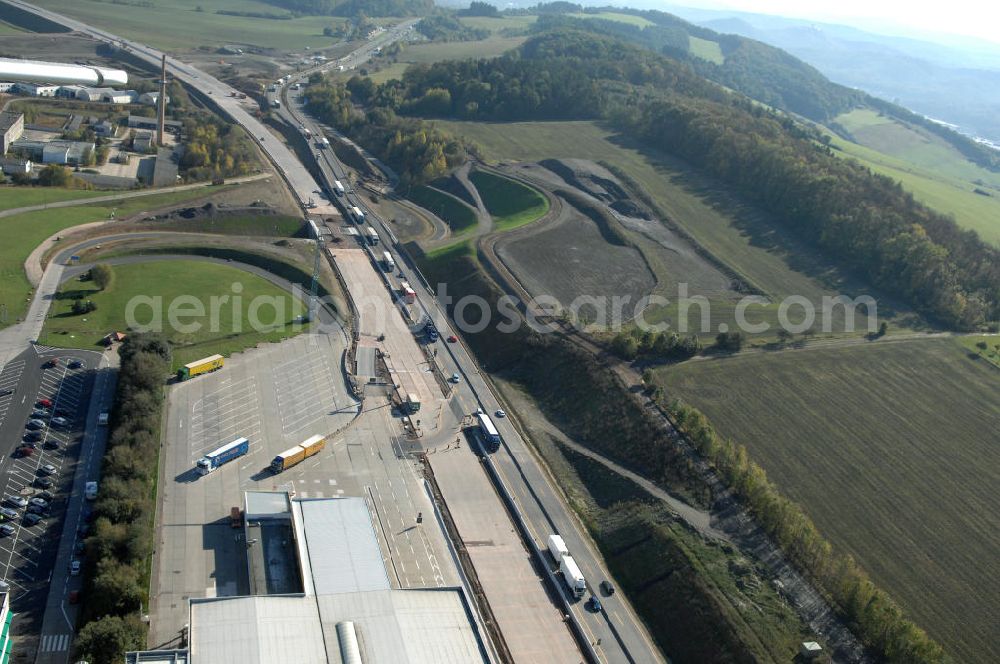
column 15, row 166
column 69, row 91
column 53, row 152
column 93, row 94
column 343, row 609
column 120, row 97
column 11, row 129
column 37, row 89
column 151, row 98
column 6, row 87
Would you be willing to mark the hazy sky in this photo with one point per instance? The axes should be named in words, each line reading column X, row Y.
column 978, row 18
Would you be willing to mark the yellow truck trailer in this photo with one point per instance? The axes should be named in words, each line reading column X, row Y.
column 294, row 455
column 204, row 365
column 313, row 445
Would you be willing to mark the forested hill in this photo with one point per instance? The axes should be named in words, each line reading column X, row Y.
column 865, row 221
column 759, row 71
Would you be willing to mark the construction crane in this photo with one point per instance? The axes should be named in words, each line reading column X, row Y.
column 34, row 71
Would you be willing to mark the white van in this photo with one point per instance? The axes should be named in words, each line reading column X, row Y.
column 90, row 491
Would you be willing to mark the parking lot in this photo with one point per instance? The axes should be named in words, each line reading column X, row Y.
column 277, row 396
column 42, row 415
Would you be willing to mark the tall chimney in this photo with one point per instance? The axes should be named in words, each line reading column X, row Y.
column 162, row 102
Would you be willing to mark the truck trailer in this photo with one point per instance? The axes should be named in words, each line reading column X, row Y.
column 338, row 188
column 557, row 548
column 294, row 455
column 357, row 214
column 204, row 365
column 388, row 264
column 223, row 455
column 407, row 293
column 372, row 236
column 572, row 576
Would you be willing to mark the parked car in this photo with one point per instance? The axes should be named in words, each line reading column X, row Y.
column 51, row 364
column 47, row 496
column 74, row 568
column 6, row 392
column 35, row 424
column 35, row 509
column 47, row 469
column 24, row 451
column 16, row 501
column 41, row 502
column 8, row 513
column 39, row 414
column 7, row 530
column 75, row 364
column 32, row 519
column 32, row 436
column 51, row 444
column 60, row 422
column 44, row 403
column 43, row 482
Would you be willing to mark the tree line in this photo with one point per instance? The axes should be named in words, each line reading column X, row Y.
column 864, row 220
column 120, row 545
column 418, row 152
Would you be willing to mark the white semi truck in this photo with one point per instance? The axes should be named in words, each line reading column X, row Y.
column 572, row 575
column 557, row 548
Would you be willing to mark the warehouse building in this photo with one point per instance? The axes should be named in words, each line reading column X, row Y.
column 322, row 596
column 53, row 152
column 11, row 128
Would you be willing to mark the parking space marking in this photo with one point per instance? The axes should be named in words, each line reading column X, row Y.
column 230, row 411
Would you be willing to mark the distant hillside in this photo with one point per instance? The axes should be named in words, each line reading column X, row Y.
column 919, row 75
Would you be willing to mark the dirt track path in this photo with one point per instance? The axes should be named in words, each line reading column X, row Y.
column 485, row 219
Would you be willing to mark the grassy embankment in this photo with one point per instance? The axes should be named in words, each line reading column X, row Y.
column 928, row 167
column 459, row 216
column 177, row 24
column 23, row 232
column 168, row 281
column 18, row 197
column 889, row 448
column 510, row 203
column 740, row 238
column 436, row 51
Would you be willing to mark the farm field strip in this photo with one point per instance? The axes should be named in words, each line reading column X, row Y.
column 890, row 449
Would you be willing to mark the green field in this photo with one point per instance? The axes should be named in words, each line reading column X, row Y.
column 176, row 24
column 992, row 351
column 738, row 237
column 891, row 449
column 459, row 216
column 272, row 225
column 8, row 29
column 706, row 49
column 630, row 19
column 510, row 203
column 500, row 23
column 933, row 171
column 23, row 232
column 171, row 280
column 17, row 197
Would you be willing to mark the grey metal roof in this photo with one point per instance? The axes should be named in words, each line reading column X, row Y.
column 403, row 626
column 253, row 630
column 267, row 504
column 341, row 547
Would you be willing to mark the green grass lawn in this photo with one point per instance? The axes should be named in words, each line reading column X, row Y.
column 176, row 24
column 706, row 49
column 23, row 232
column 276, row 225
column 510, row 203
column 12, row 197
column 228, row 333
column 891, row 449
column 933, row 171
column 992, row 351
column 459, row 216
